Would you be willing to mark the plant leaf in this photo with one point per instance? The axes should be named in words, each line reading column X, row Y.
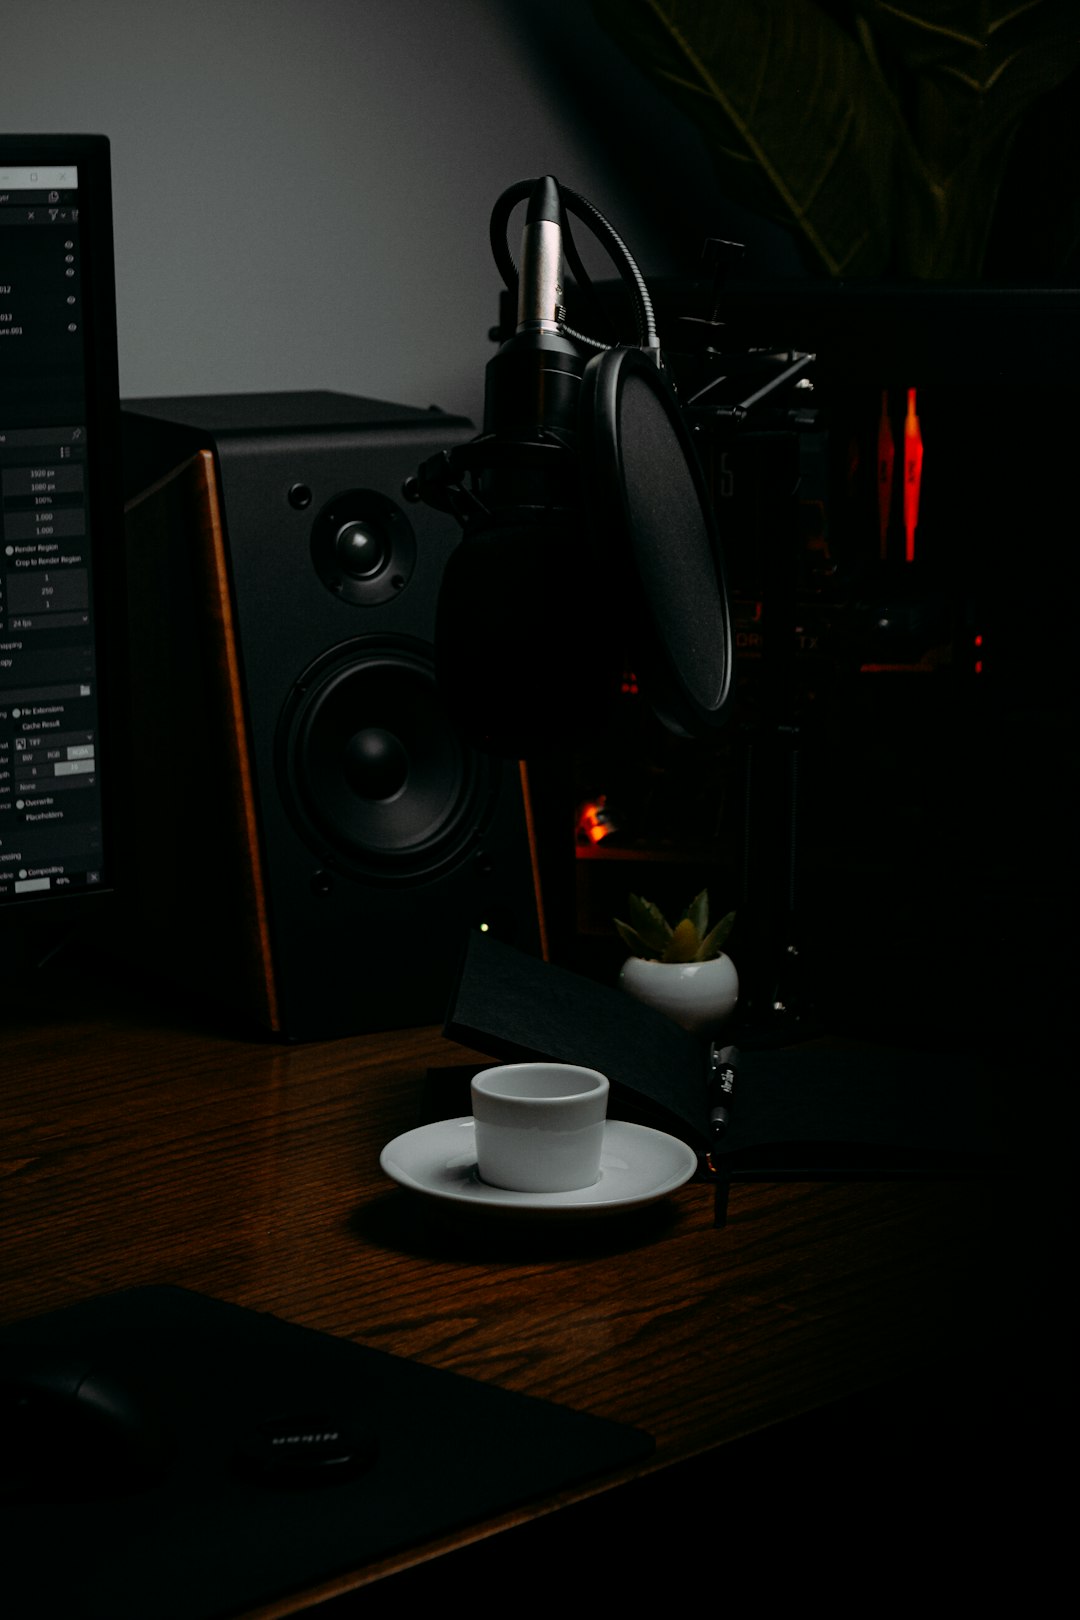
column 715, row 940
column 883, row 141
column 963, row 76
column 791, row 112
column 632, row 939
column 649, row 922
column 698, row 913
column 683, row 944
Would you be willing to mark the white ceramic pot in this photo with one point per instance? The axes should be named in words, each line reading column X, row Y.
column 700, row 996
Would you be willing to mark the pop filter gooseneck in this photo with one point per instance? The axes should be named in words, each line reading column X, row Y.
column 589, row 541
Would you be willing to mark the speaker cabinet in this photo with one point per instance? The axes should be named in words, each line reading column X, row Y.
column 310, row 841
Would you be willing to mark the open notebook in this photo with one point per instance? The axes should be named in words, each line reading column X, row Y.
column 815, row 1110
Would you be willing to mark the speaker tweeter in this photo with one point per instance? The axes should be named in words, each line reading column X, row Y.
column 363, row 547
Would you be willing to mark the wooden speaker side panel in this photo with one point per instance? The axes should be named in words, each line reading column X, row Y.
column 200, row 913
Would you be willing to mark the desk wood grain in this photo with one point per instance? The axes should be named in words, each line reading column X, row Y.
column 138, row 1147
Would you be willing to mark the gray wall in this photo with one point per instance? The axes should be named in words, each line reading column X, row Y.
column 302, row 187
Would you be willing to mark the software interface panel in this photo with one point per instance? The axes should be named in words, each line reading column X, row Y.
column 50, row 787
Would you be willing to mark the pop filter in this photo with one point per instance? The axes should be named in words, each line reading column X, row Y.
column 646, row 496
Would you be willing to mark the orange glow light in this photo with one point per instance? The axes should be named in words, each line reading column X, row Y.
column 913, row 460
column 593, row 822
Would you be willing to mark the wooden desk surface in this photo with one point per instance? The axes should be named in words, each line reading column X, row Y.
column 138, row 1148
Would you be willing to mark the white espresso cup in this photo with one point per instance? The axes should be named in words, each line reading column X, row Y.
column 539, row 1126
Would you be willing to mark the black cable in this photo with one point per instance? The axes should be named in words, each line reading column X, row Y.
column 602, row 230
column 584, row 282
column 623, row 261
column 500, row 219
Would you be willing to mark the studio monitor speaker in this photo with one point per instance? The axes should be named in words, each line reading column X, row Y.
column 310, row 842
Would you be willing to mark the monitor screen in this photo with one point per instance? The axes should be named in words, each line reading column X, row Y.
column 59, row 517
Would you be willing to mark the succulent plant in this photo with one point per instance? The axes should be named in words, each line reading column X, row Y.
column 649, row 934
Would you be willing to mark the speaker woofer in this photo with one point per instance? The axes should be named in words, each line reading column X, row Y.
column 375, row 778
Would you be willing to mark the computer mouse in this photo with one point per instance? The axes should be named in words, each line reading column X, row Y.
column 74, row 1429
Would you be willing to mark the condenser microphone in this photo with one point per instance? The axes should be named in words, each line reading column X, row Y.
column 540, row 288
column 589, row 544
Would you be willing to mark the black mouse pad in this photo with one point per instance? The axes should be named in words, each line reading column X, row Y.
column 213, row 1535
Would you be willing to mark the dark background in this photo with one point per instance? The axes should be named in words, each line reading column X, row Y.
column 302, row 187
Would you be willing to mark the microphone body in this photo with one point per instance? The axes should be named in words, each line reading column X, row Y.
column 522, row 657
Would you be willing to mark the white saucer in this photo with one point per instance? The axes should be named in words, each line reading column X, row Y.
column 636, row 1165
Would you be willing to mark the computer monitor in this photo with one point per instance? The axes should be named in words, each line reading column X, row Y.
column 60, row 519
